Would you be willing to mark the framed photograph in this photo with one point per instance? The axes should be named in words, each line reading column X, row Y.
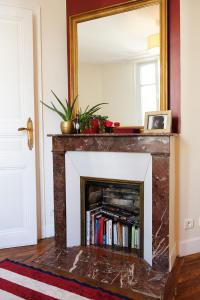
column 158, row 122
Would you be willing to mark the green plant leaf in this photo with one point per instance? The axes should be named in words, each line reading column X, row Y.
column 54, row 109
column 60, row 102
column 47, row 105
column 95, row 108
column 63, row 116
column 85, row 116
column 86, row 109
column 73, row 104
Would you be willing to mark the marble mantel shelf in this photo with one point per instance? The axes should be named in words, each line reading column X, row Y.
column 112, row 142
column 113, row 135
column 158, row 145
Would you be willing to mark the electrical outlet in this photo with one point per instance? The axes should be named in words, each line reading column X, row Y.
column 189, row 224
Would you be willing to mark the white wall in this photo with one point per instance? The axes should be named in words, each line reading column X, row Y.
column 90, row 89
column 54, row 64
column 119, row 91
column 189, row 148
column 50, row 61
column 111, row 83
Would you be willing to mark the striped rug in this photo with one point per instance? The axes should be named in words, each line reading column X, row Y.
column 18, row 281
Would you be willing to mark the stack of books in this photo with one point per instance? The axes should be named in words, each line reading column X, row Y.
column 102, row 230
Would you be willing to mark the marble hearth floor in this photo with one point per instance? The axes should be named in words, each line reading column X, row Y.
column 123, row 273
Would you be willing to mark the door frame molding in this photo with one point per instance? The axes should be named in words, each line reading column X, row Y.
column 40, row 167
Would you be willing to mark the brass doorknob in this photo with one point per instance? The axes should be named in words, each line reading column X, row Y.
column 29, row 130
column 23, row 129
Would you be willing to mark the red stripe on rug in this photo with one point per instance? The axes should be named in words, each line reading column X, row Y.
column 65, row 284
column 22, row 292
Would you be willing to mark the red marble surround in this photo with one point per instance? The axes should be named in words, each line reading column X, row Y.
column 157, row 145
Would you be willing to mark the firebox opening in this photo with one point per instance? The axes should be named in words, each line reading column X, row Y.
column 112, row 214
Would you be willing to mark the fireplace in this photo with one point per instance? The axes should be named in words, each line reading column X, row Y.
column 112, row 214
column 122, row 169
column 131, row 157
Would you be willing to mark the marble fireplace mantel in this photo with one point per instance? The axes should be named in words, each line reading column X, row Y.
column 160, row 146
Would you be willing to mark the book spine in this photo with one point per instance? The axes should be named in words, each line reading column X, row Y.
column 123, row 236
column 93, row 214
column 87, row 228
column 104, row 232
column 126, row 237
column 117, row 229
column 107, row 232
column 137, row 238
column 120, row 235
column 130, row 237
column 115, row 234
column 90, row 228
column 96, row 231
column 133, row 237
column 110, row 232
column 93, row 229
column 100, row 236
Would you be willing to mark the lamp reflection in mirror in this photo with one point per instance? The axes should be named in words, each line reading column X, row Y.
column 154, row 41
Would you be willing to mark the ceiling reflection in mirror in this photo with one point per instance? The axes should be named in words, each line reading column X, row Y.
column 119, row 63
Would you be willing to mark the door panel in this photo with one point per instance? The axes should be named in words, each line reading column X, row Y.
column 17, row 162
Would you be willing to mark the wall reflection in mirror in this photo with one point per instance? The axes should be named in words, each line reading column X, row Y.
column 119, row 63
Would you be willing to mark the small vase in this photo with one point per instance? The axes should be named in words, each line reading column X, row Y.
column 67, row 127
column 108, row 129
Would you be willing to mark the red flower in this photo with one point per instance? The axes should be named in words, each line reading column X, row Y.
column 95, row 123
column 90, row 131
column 108, row 123
column 116, row 124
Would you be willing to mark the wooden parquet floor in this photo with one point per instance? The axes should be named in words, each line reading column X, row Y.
column 183, row 282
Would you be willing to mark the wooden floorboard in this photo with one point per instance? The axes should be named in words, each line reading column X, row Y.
column 27, row 253
column 183, row 282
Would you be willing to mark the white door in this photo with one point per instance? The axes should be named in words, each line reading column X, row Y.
column 17, row 162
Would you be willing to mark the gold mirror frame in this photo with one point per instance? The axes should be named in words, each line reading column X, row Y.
column 112, row 10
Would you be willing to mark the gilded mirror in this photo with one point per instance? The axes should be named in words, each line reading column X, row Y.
column 118, row 55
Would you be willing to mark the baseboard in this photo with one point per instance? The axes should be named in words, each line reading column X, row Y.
column 172, row 257
column 188, row 247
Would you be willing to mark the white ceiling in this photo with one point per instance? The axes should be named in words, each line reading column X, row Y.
column 118, row 37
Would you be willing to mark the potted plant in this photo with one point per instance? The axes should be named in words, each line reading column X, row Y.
column 66, row 113
column 89, row 121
